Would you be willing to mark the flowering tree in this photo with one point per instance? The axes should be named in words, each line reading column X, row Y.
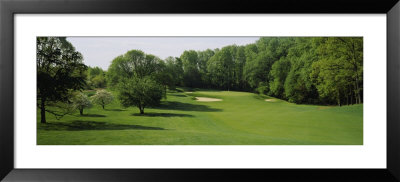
column 102, row 97
column 81, row 101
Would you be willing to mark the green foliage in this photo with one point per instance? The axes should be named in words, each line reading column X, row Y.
column 59, row 70
column 118, row 69
column 279, row 72
column 134, row 63
column 316, row 70
column 191, row 72
column 262, row 88
column 299, row 88
column 203, row 61
column 140, row 92
column 172, row 74
column 96, row 78
column 338, row 72
column 221, row 67
column 297, row 69
column 102, row 98
column 81, row 101
column 141, row 79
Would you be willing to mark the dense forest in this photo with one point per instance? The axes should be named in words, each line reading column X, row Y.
column 311, row 70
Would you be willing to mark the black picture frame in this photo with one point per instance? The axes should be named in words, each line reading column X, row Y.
column 8, row 8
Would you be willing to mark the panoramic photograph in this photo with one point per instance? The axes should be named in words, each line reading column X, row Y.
column 199, row 90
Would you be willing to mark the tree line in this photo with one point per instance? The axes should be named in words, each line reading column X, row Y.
column 312, row 70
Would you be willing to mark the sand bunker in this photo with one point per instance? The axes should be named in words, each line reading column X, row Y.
column 189, row 92
column 270, row 100
column 206, row 99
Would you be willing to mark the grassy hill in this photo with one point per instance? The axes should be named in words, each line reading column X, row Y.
column 241, row 118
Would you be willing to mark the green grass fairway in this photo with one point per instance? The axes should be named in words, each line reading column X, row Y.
column 241, row 118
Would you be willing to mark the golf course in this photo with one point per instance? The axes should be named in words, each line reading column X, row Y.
column 199, row 91
column 239, row 118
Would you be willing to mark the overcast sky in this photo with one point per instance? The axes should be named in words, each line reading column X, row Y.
column 100, row 51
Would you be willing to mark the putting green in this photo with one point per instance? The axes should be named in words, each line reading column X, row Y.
column 241, row 118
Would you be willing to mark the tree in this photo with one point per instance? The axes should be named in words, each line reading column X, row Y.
column 139, row 79
column 191, row 73
column 279, row 72
column 298, row 86
column 257, row 70
column 59, row 71
column 221, row 68
column 240, row 62
column 203, row 59
column 140, row 92
column 338, row 71
column 173, row 72
column 297, row 69
column 81, row 101
column 119, row 68
column 102, row 98
column 134, row 63
column 96, row 77
column 98, row 81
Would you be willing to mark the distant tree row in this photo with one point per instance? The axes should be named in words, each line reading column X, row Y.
column 301, row 70
column 96, row 78
column 315, row 70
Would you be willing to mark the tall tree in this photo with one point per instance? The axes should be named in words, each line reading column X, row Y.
column 191, row 73
column 279, row 72
column 173, row 73
column 59, row 71
column 299, row 87
column 203, row 58
column 134, row 63
column 139, row 79
column 338, row 72
column 140, row 92
column 221, row 67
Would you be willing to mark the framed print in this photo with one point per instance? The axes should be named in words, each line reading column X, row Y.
column 146, row 91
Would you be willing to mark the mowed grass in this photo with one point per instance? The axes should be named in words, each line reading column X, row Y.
column 241, row 118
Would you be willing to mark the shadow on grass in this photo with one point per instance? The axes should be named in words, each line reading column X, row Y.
column 178, row 95
column 173, row 105
column 115, row 109
column 92, row 115
column 162, row 115
column 92, row 125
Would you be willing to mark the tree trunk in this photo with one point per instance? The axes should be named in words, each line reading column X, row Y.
column 141, row 110
column 81, row 111
column 42, row 111
column 351, row 98
column 358, row 95
column 102, row 106
column 165, row 91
